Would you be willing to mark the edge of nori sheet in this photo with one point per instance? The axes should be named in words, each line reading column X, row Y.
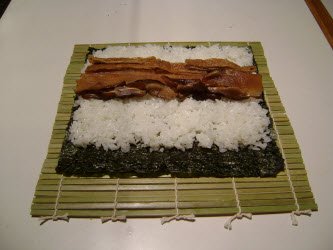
column 194, row 162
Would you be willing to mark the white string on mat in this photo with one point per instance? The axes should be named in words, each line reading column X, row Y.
column 56, row 217
column 239, row 215
column 297, row 212
column 115, row 218
column 177, row 216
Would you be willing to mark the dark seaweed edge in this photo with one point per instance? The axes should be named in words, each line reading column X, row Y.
column 91, row 50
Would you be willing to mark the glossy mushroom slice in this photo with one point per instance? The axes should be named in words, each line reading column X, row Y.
column 98, row 81
column 122, row 92
column 161, row 91
column 150, row 64
column 241, row 84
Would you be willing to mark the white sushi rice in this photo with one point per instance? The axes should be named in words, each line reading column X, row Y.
column 158, row 124
column 239, row 55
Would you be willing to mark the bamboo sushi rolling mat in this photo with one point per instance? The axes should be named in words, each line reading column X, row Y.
column 59, row 197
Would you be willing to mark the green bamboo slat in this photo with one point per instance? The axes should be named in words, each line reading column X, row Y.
column 70, row 84
column 50, row 196
column 272, row 190
column 69, row 80
column 292, row 150
column 159, row 213
column 171, row 204
column 134, row 187
column 270, row 91
column 60, row 125
column 73, row 74
column 60, row 122
column 191, row 195
column 93, row 197
column 134, row 194
column 110, row 187
column 297, row 171
column 268, row 84
column 68, row 91
column 120, row 199
column 56, row 141
column 55, row 145
column 184, row 43
column 88, row 181
column 67, row 95
column 52, row 156
column 127, row 199
column 66, row 100
column 282, row 123
column 54, row 150
column 226, row 200
column 137, row 213
column 63, row 117
column 137, row 205
column 50, row 164
column 263, row 69
column 136, row 181
column 58, row 132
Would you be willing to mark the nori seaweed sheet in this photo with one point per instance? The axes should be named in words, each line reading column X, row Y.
column 194, row 162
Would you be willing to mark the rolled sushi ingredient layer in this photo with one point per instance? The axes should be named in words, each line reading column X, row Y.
column 200, row 72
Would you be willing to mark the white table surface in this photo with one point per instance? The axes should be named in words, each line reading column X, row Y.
column 36, row 42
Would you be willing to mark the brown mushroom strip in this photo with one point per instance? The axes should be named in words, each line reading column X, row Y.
column 90, row 96
column 122, row 92
column 161, row 91
column 125, row 91
column 118, row 64
column 193, row 86
column 98, row 81
column 140, row 84
column 150, row 65
column 250, row 84
column 229, row 92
